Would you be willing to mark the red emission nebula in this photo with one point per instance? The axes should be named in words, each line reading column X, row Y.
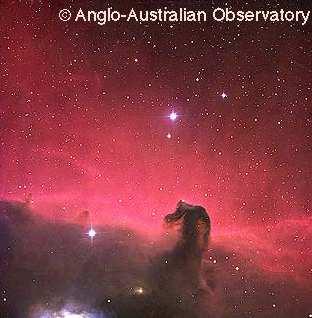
column 126, row 119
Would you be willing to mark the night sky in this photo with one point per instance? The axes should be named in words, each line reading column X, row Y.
column 124, row 120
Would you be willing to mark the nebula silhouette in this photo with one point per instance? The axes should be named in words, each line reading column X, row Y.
column 52, row 269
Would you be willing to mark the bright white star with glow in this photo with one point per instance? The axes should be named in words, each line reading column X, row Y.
column 91, row 233
column 223, row 95
column 64, row 313
column 68, row 314
column 173, row 116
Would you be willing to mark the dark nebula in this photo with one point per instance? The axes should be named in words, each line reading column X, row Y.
column 103, row 129
column 118, row 274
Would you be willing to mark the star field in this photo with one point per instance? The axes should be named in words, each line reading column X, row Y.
column 124, row 120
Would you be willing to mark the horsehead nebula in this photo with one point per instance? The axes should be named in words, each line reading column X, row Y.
column 103, row 129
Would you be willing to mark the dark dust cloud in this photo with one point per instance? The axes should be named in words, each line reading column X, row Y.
column 58, row 270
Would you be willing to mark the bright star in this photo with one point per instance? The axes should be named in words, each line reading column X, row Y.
column 173, row 116
column 169, row 136
column 91, row 233
column 68, row 314
column 65, row 314
column 139, row 290
column 223, row 95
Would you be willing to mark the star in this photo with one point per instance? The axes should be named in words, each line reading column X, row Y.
column 173, row 116
column 169, row 136
column 91, row 233
column 68, row 314
column 223, row 95
column 139, row 290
